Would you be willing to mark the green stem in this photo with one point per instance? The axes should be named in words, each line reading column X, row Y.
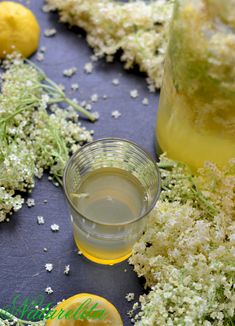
column 59, row 180
column 210, row 207
column 74, row 105
column 212, row 211
column 163, row 165
column 50, row 88
column 41, row 72
column 17, row 112
column 53, row 86
column 68, row 101
column 55, row 100
column 80, row 109
column 12, row 317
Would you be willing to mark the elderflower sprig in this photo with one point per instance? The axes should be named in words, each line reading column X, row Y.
column 138, row 28
column 35, row 135
column 12, row 320
column 187, row 252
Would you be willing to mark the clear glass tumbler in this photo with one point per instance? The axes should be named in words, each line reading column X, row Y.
column 108, row 241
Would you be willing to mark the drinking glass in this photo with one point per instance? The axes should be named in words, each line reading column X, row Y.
column 105, row 242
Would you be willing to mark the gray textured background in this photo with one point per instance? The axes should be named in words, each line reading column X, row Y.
column 22, row 240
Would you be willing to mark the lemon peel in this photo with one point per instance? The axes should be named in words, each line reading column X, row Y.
column 101, row 312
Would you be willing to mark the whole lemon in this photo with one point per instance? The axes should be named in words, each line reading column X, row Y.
column 19, row 29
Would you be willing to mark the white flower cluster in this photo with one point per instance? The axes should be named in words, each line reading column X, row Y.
column 31, row 139
column 138, row 28
column 9, row 202
column 187, row 252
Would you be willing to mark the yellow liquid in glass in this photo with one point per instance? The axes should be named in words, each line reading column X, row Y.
column 111, row 198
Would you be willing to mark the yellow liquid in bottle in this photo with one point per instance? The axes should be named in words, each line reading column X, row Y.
column 111, row 198
column 179, row 133
column 196, row 117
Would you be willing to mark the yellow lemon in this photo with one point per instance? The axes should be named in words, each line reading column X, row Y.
column 19, row 29
column 84, row 309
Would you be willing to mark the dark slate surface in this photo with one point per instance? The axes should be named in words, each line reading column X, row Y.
column 22, row 240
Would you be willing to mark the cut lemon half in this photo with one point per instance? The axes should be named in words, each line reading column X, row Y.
column 19, row 29
column 84, row 309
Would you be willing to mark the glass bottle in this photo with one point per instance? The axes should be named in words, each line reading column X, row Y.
column 196, row 117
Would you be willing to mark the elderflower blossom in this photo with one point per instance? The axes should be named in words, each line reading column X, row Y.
column 74, row 86
column 88, row 68
column 130, row 296
column 55, row 227
column 9, row 202
column 67, row 269
column 116, row 114
column 70, row 72
column 48, row 267
column 40, row 56
column 30, row 202
column 40, row 220
column 145, row 101
column 187, row 251
column 138, row 28
column 94, row 97
column 134, row 93
column 48, row 290
column 115, row 82
column 49, row 32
